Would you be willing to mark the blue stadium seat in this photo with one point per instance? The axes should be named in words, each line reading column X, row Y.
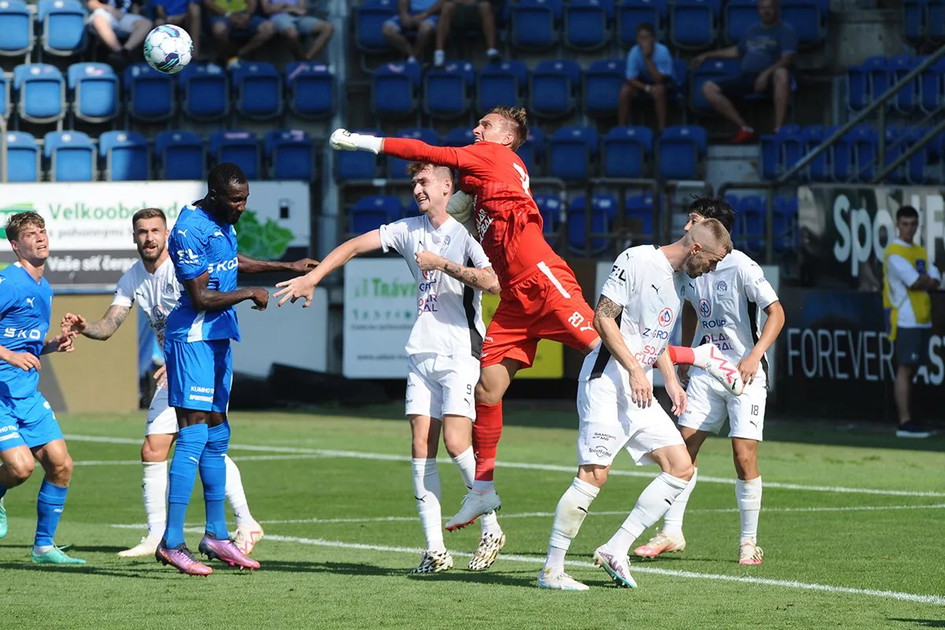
column 535, row 24
column 784, row 226
column 396, row 167
column 680, row 150
column 5, row 103
column 907, row 98
column 792, row 145
column 551, row 210
column 898, row 140
column 40, row 92
column 750, row 214
column 630, row 13
column 638, row 210
column 446, row 90
column 71, row 156
column 809, row 19
column 63, row 27
column 932, row 87
column 819, row 169
column 205, row 91
column 394, row 90
column 356, row 165
column 369, row 18
column 532, row 150
column 587, row 24
column 776, row 149
column 371, row 212
column 150, row 95
column 602, row 82
column 310, row 89
column 258, row 88
column 239, row 147
column 866, row 82
column 913, row 21
column 737, row 17
column 180, row 155
column 125, row 156
column 554, row 87
column 711, row 70
column 93, row 89
column 458, row 137
column 626, row 151
column 22, row 157
column 583, row 222
column 692, row 23
column 16, row 29
column 290, row 154
column 571, row 153
column 501, row 84
column 935, row 19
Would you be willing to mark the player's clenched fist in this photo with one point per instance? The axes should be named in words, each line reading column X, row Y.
column 344, row 140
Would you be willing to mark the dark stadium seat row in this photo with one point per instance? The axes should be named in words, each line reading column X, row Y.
column 869, row 80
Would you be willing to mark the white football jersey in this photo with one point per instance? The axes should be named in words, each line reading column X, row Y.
column 155, row 293
column 643, row 282
column 728, row 302
column 449, row 313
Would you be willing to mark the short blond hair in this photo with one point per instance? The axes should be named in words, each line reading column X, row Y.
column 517, row 119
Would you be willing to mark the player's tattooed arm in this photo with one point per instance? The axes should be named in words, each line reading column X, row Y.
column 100, row 330
column 484, row 279
column 607, row 308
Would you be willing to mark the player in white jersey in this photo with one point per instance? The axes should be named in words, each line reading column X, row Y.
column 443, row 348
column 722, row 308
column 152, row 284
column 635, row 315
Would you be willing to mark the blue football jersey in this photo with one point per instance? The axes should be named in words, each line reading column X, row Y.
column 25, row 308
column 200, row 244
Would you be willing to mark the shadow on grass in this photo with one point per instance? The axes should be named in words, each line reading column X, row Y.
column 925, row 623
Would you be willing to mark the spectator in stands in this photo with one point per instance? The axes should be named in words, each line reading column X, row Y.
column 649, row 72
column 416, row 19
column 767, row 51
column 293, row 23
column 468, row 14
column 907, row 279
column 186, row 14
column 114, row 20
column 237, row 19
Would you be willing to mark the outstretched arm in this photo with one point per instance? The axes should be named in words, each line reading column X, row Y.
column 102, row 329
column 254, row 265
column 404, row 148
column 483, row 279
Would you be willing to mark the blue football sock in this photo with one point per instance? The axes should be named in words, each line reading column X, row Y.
column 49, row 506
column 3, row 490
column 213, row 475
column 191, row 442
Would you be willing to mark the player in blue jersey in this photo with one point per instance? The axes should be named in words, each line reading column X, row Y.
column 197, row 338
column 29, row 431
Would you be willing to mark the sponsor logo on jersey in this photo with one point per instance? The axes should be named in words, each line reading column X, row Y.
column 665, row 317
column 17, row 333
column 721, row 286
column 226, row 265
column 705, row 309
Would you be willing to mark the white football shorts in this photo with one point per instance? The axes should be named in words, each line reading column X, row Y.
column 440, row 385
column 162, row 418
column 710, row 404
column 610, row 421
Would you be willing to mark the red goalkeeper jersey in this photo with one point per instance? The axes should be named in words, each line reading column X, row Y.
column 508, row 223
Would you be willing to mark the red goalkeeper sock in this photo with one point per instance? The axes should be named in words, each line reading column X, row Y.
column 485, row 438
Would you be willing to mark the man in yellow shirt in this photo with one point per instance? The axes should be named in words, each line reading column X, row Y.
column 237, row 19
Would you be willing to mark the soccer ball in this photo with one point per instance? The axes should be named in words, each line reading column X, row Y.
column 168, row 49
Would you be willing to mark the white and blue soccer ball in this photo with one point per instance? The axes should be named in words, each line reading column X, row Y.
column 168, row 49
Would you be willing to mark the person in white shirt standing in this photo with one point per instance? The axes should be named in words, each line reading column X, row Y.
column 152, row 284
column 451, row 270
column 723, row 308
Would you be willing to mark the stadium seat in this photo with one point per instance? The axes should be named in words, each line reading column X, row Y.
column 446, row 90
column 780, row 152
column 16, row 29
column 310, row 89
column 680, row 150
column 638, row 211
column 40, row 92
column 239, row 147
column 356, row 165
column 784, row 225
column 5, row 103
column 23, row 158
column 394, row 90
column 584, row 223
column 587, row 24
column 63, row 27
column 626, row 151
column 792, row 145
column 692, row 23
column 534, row 24
column 898, row 140
column 71, row 156
column 532, row 150
column 125, row 156
column 551, row 210
column 863, row 141
column 205, row 91
column 396, row 167
column 809, row 19
column 932, row 87
column 571, row 153
column 501, row 84
column 371, row 212
column 819, row 169
column 369, row 18
column 602, row 82
column 93, row 90
column 150, row 95
column 631, row 13
column 180, row 155
column 554, row 87
column 290, row 154
column 935, row 19
column 737, row 17
column 711, row 70
column 258, row 88
column 914, row 21
column 866, row 82
column 907, row 98
column 458, row 137
column 751, row 213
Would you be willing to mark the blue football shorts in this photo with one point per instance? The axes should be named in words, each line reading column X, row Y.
column 199, row 374
column 27, row 422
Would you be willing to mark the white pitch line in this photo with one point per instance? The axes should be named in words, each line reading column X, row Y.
column 238, row 458
column 327, row 453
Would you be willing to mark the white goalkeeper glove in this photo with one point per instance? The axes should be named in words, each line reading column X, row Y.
column 460, row 207
column 344, row 140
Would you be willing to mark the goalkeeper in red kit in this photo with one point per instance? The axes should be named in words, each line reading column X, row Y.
column 540, row 296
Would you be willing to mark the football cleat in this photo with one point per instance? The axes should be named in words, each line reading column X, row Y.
column 750, row 553
column 488, row 550
column 146, row 547
column 559, row 581
column 224, row 550
column 616, row 568
column 3, row 519
column 247, row 536
column 54, row 555
column 474, row 506
column 434, row 562
column 181, row 558
column 710, row 359
column 661, row 543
